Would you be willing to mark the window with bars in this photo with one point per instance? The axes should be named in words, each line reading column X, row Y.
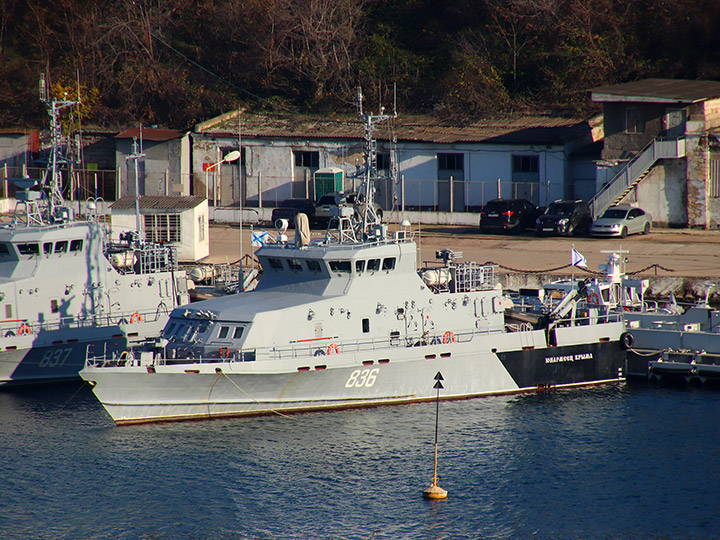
column 714, row 187
column 162, row 228
column 525, row 164
column 201, row 228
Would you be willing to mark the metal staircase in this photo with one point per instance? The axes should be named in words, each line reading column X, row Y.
column 633, row 172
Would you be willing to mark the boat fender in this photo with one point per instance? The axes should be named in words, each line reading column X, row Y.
column 24, row 329
column 627, row 340
column 593, row 298
column 333, row 349
column 319, row 352
column 449, row 337
column 135, row 317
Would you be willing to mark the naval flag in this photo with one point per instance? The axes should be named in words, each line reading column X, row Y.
column 578, row 259
column 259, row 239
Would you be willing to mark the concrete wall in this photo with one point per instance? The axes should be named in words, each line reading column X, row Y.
column 162, row 167
column 663, row 194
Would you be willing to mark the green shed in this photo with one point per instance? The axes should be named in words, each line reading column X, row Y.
column 328, row 180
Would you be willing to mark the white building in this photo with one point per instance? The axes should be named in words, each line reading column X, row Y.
column 440, row 166
column 180, row 221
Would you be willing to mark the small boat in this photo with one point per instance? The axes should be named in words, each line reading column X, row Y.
column 347, row 321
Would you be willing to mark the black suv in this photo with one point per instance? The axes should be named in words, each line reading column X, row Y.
column 564, row 218
column 513, row 215
column 290, row 208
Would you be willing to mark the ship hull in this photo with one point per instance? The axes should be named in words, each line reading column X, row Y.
column 172, row 392
column 58, row 355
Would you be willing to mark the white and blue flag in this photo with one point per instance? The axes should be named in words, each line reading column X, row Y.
column 259, row 239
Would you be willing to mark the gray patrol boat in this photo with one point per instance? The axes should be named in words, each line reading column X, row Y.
column 350, row 321
column 66, row 288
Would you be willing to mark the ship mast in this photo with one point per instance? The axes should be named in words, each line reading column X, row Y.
column 367, row 190
column 53, row 180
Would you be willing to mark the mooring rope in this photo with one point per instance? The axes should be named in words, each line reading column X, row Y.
column 249, row 396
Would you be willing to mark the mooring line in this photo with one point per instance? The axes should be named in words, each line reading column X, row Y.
column 252, row 398
column 73, row 396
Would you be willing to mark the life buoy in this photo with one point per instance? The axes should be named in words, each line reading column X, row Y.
column 135, row 317
column 627, row 340
column 24, row 329
column 333, row 348
column 449, row 337
column 593, row 298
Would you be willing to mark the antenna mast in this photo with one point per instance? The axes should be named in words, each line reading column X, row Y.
column 52, row 179
column 370, row 151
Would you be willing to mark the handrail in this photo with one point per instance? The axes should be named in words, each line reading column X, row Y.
column 309, row 351
column 22, row 327
column 633, row 169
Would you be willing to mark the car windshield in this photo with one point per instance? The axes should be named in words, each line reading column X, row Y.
column 614, row 213
column 298, row 204
column 326, row 199
column 560, row 209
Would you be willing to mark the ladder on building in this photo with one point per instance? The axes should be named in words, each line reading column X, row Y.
column 633, row 172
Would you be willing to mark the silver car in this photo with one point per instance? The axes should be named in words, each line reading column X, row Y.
column 621, row 220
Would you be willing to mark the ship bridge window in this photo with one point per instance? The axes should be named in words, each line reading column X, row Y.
column 313, row 265
column 373, row 265
column 4, row 250
column 61, row 246
column 76, row 245
column 388, row 263
column 238, row 332
column 359, row 266
column 29, row 249
column 275, row 263
column 341, row 267
column 222, row 334
column 169, row 329
column 47, row 248
column 294, row 264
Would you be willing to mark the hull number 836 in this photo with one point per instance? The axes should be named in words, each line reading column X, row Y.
column 362, row 378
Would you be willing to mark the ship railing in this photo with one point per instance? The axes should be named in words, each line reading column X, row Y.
column 145, row 259
column 26, row 328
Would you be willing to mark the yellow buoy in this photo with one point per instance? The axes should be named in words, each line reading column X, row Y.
column 435, row 491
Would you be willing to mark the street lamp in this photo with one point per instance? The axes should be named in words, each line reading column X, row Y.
column 231, row 156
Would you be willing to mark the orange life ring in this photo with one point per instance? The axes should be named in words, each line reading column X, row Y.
column 24, row 329
column 332, row 348
column 593, row 298
column 449, row 337
column 135, row 317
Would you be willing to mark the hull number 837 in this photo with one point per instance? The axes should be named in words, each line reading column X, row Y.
column 362, row 378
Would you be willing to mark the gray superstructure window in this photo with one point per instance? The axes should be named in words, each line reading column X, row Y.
column 342, row 267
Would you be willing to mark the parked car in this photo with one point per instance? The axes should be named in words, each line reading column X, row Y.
column 621, row 220
column 513, row 215
column 328, row 204
column 290, row 208
column 565, row 218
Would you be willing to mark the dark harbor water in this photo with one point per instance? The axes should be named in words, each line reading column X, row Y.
column 616, row 462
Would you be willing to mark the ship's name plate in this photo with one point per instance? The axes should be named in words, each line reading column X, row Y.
column 568, row 358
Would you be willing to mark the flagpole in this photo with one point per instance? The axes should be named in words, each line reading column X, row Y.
column 572, row 263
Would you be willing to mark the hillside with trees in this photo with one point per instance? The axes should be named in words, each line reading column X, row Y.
column 177, row 63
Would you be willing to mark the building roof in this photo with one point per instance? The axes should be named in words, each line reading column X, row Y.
column 150, row 134
column 502, row 130
column 658, row 91
column 158, row 202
